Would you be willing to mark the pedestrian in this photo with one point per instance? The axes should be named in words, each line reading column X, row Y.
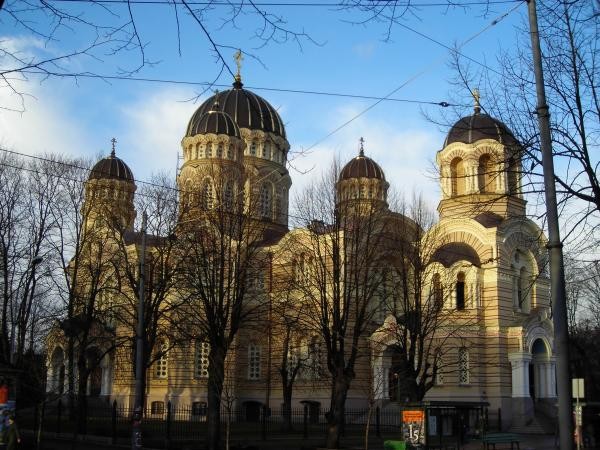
column 11, row 436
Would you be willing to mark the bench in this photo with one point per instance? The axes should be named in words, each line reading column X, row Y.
column 491, row 439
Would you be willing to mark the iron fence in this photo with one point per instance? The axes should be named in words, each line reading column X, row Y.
column 188, row 422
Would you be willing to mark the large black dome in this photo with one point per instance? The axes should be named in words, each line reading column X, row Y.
column 479, row 126
column 111, row 167
column 247, row 109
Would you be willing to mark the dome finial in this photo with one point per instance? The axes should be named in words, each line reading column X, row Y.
column 361, row 152
column 476, row 97
column 113, row 141
column 238, row 57
column 216, row 105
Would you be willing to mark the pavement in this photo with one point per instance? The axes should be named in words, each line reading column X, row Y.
column 527, row 442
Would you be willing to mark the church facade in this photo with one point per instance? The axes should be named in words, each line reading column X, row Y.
column 490, row 260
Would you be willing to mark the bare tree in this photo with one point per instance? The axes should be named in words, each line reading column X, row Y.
column 163, row 265
column 288, row 326
column 418, row 310
column 221, row 241
column 106, row 32
column 569, row 38
column 337, row 280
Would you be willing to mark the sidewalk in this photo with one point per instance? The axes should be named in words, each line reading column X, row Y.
column 528, row 442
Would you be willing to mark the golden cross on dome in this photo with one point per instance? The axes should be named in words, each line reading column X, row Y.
column 239, row 57
column 362, row 146
column 476, row 98
column 113, row 142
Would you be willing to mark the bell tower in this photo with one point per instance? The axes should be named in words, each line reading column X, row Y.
column 480, row 169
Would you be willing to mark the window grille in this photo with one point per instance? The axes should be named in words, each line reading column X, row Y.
column 201, row 361
column 463, row 366
column 254, row 362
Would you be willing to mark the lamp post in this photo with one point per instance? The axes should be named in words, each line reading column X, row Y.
column 557, row 269
column 136, row 429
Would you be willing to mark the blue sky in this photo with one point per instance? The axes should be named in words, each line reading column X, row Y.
column 149, row 119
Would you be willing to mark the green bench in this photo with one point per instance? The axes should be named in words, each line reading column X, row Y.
column 491, row 439
column 394, row 445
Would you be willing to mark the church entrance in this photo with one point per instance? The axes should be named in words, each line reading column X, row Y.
column 392, row 359
column 540, row 384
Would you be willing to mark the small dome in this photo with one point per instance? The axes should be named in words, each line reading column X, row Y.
column 362, row 167
column 111, row 167
column 247, row 109
column 216, row 122
column 473, row 128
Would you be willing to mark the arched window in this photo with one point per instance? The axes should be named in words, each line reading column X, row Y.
column 253, row 148
column 463, row 366
column 266, row 197
column 267, row 150
column 207, row 194
column 484, row 174
column 523, row 290
column 513, row 176
column 208, row 150
column 457, row 173
column 220, row 150
column 161, row 366
column 228, row 195
column 460, row 291
column 300, row 269
column 313, row 362
column 438, row 291
column 439, row 368
column 230, row 151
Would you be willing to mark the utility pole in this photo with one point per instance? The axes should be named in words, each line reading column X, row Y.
column 557, row 269
column 136, row 429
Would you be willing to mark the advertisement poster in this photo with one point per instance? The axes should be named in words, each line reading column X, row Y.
column 413, row 426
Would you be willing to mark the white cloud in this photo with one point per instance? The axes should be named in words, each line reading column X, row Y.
column 404, row 154
column 155, row 126
column 35, row 117
column 45, row 125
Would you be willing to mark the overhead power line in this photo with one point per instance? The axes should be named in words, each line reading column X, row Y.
column 420, row 73
column 254, row 88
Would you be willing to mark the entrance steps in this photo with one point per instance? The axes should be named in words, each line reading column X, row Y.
column 538, row 424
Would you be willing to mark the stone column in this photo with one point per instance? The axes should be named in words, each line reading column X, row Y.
column 522, row 403
column 548, row 372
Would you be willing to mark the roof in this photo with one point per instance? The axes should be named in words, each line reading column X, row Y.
column 362, row 167
column 247, row 109
column 111, row 167
column 479, row 126
column 214, row 121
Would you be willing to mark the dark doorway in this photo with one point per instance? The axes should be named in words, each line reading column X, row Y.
column 96, row 382
column 532, row 381
column 252, row 411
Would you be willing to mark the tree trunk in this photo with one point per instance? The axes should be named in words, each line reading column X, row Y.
column 82, row 395
column 287, row 406
column 368, row 425
column 71, row 377
column 335, row 417
column 216, row 375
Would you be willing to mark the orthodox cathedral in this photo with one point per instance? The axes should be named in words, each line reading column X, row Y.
column 491, row 261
